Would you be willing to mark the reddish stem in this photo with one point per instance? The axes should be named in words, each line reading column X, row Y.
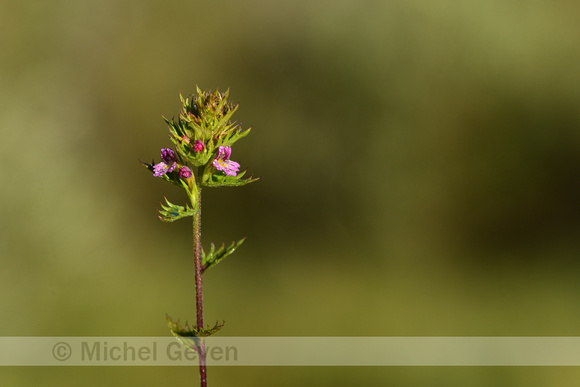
column 199, row 287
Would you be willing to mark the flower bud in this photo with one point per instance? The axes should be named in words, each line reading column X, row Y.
column 197, row 146
column 185, row 173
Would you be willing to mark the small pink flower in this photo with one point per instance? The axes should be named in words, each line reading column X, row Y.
column 162, row 168
column 223, row 163
column 167, row 165
column 197, row 146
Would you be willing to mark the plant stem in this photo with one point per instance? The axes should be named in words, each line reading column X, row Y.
column 199, row 286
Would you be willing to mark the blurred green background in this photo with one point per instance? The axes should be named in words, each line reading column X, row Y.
column 420, row 165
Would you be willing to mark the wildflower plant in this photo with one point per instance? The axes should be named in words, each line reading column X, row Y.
column 202, row 134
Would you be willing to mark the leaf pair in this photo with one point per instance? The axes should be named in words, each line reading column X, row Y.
column 192, row 336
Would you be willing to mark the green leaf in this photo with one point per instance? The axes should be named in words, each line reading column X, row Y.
column 234, row 135
column 171, row 212
column 214, row 257
column 220, row 179
column 186, row 331
column 191, row 336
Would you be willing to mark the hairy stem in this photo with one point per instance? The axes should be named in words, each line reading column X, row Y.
column 199, row 286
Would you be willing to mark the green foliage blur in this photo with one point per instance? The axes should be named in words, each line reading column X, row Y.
column 420, row 165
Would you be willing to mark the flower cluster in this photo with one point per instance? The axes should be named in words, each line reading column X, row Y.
column 221, row 162
column 203, row 134
column 169, row 164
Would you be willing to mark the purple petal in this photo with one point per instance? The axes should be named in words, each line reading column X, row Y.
column 219, row 164
column 224, row 152
column 162, row 168
column 167, row 155
column 227, row 152
column 231, row 168
column 159, row 169
column 233, row 165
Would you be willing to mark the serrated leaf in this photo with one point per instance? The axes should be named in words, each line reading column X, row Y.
column 216, row 256
column 222, row 180
column 187, row 331
column 191, row 336
column 172, row 212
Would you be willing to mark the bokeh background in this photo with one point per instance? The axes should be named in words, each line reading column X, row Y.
column 420, row 165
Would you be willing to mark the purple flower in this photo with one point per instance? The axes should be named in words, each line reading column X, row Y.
column 168, row 164
column 168, row 156
column 223, row 163
column 198, row 146
column 185, row 173
column 162, row 168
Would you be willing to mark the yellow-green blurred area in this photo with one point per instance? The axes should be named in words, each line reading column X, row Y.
column 420, row 165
